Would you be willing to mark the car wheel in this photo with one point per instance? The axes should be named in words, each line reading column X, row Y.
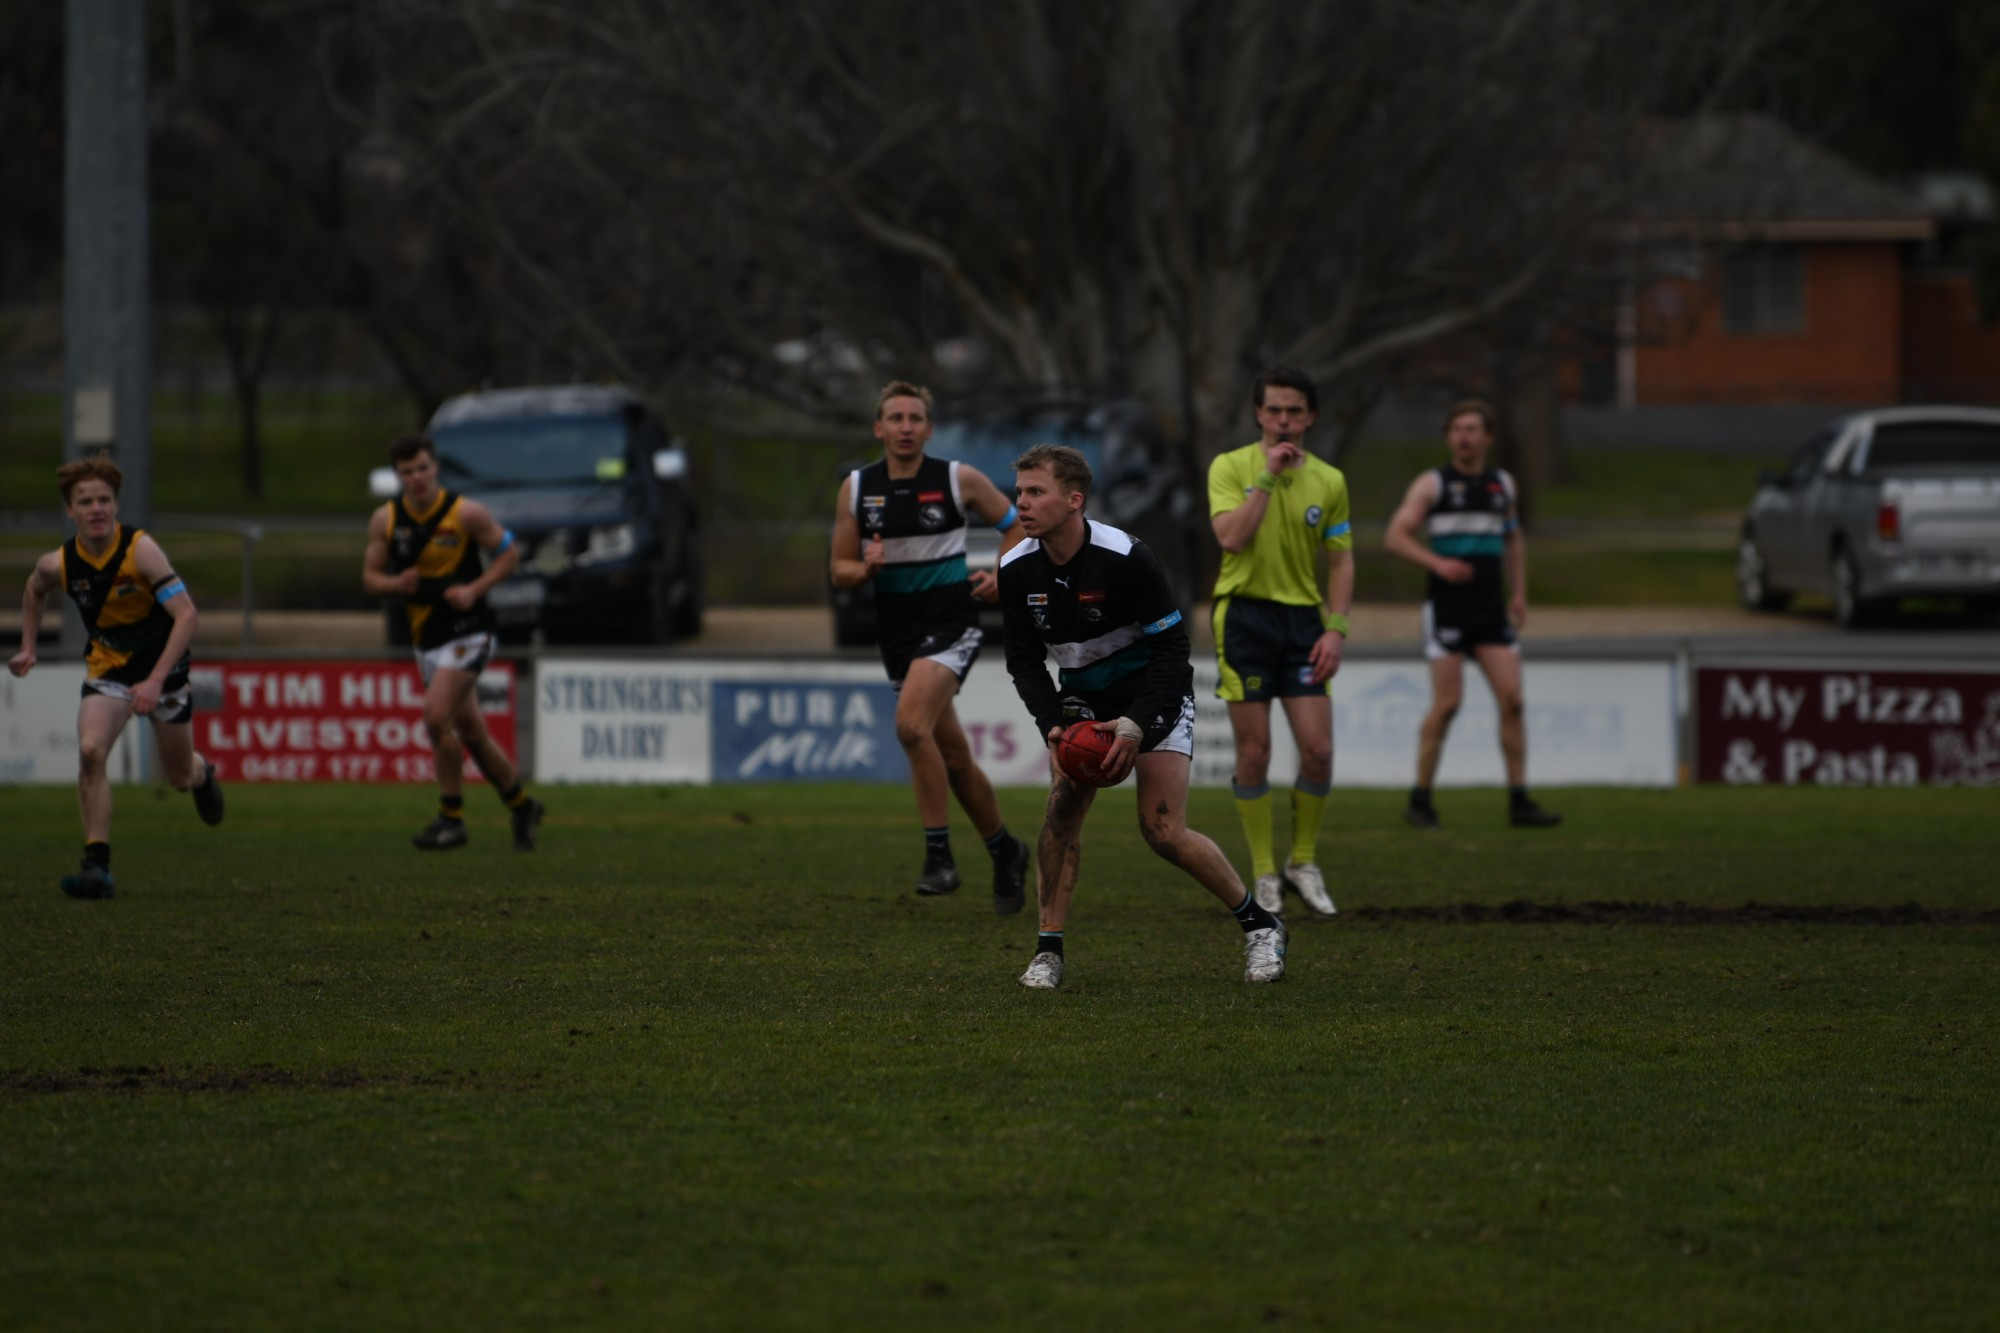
column 653, row 619
column 1850, row 608
column 1753, row 579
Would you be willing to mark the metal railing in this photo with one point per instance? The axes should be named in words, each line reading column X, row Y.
column 248, row 531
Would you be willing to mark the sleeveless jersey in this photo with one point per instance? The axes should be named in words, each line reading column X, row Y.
column 1469, row 521
column 1307, row 511
column 443, row 553
column 922, row 588
column 128, row 627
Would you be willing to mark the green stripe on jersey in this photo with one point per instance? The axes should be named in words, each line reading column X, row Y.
column 916, row 578
column 1100, row 674
column 1469, row 544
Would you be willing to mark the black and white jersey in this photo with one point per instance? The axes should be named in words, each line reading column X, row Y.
column 922, row 590
column 1109, row 619
column 1470, row 520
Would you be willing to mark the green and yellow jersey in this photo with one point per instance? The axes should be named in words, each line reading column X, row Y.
column 1308, row 511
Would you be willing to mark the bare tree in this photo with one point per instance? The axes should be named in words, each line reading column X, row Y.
column 1156, row 196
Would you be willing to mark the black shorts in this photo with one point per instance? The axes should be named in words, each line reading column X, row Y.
column 176, row 699
column 1264, row 649
column 953, row 647
column 1449, row 630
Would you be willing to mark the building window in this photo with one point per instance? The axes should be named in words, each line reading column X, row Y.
column 1763, row 290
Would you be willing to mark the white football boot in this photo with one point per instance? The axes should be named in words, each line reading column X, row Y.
column 1270, row 893
column 1264, row 954
column 1045, row 972
column 1305, row 877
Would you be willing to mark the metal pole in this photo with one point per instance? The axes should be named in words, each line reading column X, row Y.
column 251, row 536
column 106, row 334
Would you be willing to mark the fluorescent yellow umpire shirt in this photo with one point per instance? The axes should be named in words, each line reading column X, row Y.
column 1308, row 510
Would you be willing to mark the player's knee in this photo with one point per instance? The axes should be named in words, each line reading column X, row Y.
column 1162, row 833
column 1315, row 754
column 913, row 733
column 1253, row 760
column 1511, row 707
column 1443, row 713
column 91, row 757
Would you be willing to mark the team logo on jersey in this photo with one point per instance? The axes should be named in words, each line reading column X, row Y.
column 1041, row 615
column 931, row 517
column 871, row 511
column 1457, row 489
column 1093, row 614
column 80, row 590
column 1312, row 516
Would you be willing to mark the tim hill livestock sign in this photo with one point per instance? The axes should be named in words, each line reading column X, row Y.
column 1828, row 727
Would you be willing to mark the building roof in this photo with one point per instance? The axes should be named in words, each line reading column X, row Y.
column 1750, row 177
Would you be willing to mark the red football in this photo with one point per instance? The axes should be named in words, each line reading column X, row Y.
column 1082, row 749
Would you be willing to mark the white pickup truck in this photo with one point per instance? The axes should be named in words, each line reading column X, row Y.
column 1878, row 506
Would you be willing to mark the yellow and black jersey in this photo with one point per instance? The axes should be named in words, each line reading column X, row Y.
column 437, row 545
column 121, row 610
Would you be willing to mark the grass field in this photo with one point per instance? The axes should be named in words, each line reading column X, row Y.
column 703, row 1061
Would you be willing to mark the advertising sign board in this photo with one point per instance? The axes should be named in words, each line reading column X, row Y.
column 1843, row 726
column 296, row 721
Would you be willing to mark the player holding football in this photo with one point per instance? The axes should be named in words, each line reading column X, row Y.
column 141, row 623
column 1095, row 598
column 1274, row 508
column 426, row 547
column 914, row 509
column 1477, row 600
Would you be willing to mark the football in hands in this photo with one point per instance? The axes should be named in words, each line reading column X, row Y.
column 1083, row 750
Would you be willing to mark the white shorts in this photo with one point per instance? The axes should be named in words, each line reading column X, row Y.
column 469, row 654
column 1180, row 739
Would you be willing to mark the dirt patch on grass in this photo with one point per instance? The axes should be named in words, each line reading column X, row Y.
column 137, row 1079
column 1521, row 912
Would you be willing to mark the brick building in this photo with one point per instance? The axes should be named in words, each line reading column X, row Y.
column 1792, row 276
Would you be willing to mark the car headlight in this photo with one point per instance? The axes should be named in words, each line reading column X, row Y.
column 614, row 542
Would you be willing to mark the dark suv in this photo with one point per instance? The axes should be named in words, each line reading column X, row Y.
column 1134, row 481
column 595, row 492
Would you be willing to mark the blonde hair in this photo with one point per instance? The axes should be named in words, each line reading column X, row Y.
column 902, row 389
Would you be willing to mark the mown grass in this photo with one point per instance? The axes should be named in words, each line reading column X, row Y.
column 703, row 1060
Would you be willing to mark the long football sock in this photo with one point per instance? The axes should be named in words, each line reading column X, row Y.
column 1049, row 941
column 1308, row 809
column 452, row 807
column 1253, row 807
column 97, row 853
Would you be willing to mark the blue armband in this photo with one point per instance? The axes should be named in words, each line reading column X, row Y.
column 1009, row 519
column 168, row 593
column 506, row 540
